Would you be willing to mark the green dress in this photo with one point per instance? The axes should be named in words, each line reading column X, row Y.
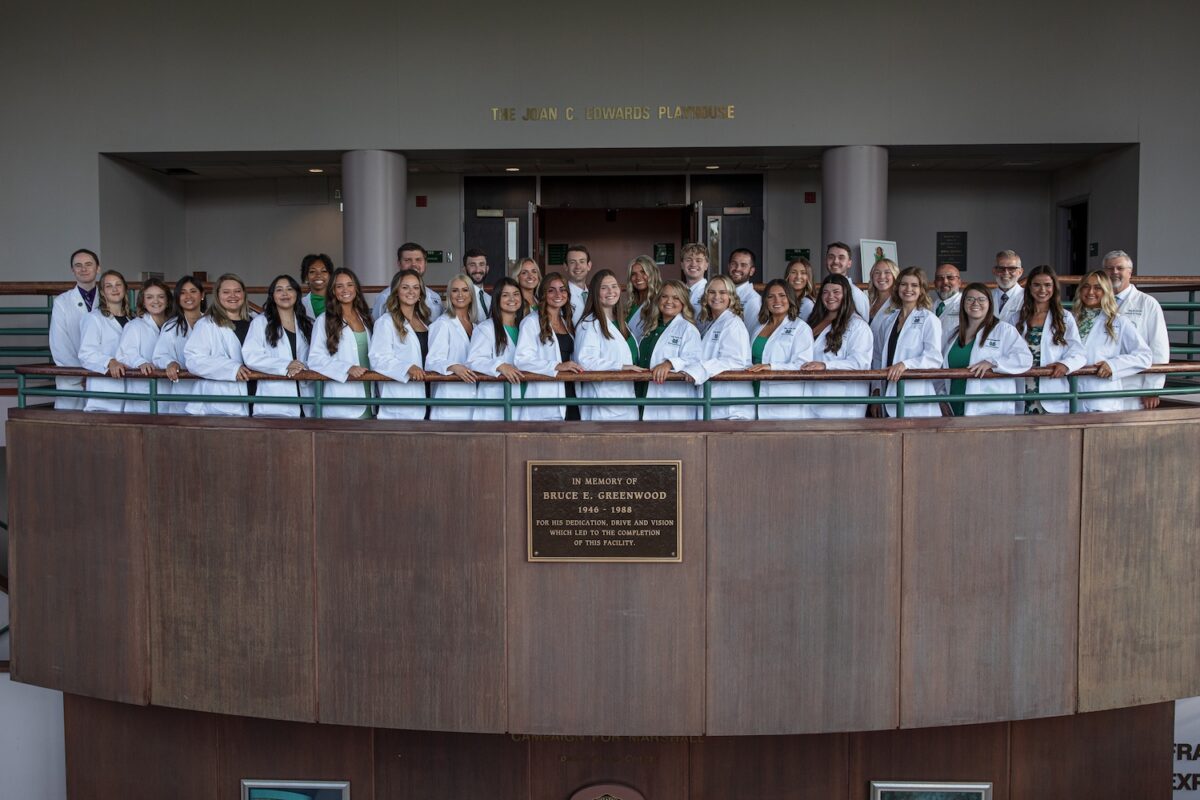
column 1033, row 337
column 959, row 357
column 643, row 354
column 756, row 354
column 318, row 303
column 362, row 341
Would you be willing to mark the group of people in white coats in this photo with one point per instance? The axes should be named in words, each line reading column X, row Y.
column 531, row 330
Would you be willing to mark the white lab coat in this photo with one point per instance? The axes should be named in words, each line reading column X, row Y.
column 261, row 356
column 539, row 358
column 881, row 319
column 169, row 348
column 1071, row 354
column 448, row 345
column 595, row 353
column 725, row 346
column 919, row 346
column 138, row 340
column 336, row 366
column 66, row 326
column 577, row 303
column 1146, row 314
column 99, row 338
column 696, row 294
column 634, row 323
column 306, row 301
column 680, row 344
column 1009, row 354
column 392, row 357
column 1127, row 354
column 483, row 304
column 806, row 307
column 949, row 310
column 215, row 354
column 1012, row 307
column 432, row 299
column 855, row 353
column 751, row 304
column 862, row 304
column 789, row 348
column 482, row 358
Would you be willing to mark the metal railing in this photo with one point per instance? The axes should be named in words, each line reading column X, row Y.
column 704, row 399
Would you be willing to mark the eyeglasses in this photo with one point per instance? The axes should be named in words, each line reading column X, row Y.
column 975, row 301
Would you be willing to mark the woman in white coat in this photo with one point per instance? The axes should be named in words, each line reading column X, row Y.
column 213, row 351
column 340, row 347
column 449, row 342
column 277, row 344
column 882, row 289
column 399, row 344
column 724, row 347
column 1053, row 338
column 983, row 343
column 140, row 337
column 99, row 338
column 799, row 276
column 782, row 342
column 1111, row 342
column 493, row 347
column 189, row 306
column 842, row 340
column 910, row 338
column 544, row 347
column 671, row 345
column 644, row 283
column 603, row 344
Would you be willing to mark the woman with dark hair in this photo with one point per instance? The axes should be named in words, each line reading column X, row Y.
column 671, row 344
column 99, row 338
column 544, row 347
column 724, row 347
column 982, row 343
column 1110, row 341
column 449, row 340
column 910, row 337
column 315, row 270
column 782, row 342
column 399, row 345
column 140, row 337
column 189, row 305
column 1053, row 338
column 842, row 341
column 799, row 276
column 213, row 350
column 494, row 345
column 603, row 344
column 341, row 343
column 277, row 344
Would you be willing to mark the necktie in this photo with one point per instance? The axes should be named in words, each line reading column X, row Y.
column 1003, row 299
column 941, row 307
column 483, row 301
column 584, row 296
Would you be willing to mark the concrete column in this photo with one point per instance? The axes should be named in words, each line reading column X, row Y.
column 854, row 185
column 374, row 186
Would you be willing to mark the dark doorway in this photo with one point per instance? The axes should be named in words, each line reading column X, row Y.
column 1073, row 238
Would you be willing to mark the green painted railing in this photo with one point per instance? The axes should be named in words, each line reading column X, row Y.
column 704, row 400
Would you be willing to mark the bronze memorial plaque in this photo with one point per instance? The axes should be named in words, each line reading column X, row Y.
column 604, row 511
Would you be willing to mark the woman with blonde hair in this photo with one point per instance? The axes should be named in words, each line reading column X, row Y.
column 642, row 288
column 399, row 345
column 909, row 338
column 1111, row 342
column 528, row 276
column 725, row 347
column 449, row 341
column 140, row 337
column 100, row 338
column 672, row 344
column 213, row 351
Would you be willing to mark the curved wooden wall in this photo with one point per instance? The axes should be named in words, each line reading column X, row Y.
column 843, row 577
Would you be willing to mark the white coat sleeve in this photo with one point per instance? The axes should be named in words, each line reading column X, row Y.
column 801, row 351
column 531, row 356
column 440, row 346
column 481, row 356
column 930, row 356
column 1015, row 355
column 857, row 344
column 1135, row 354
column 61, row 348
column 861, row 304
column 733, row 353
column 1075, row 356
column 91, row 352
column 259, row 355
column 691, row 350
column 1159, row 343
column 205, row 357
column 322, row 361
column 750, row 310
column 592, row 355
column 164, row 349
column 385, row 353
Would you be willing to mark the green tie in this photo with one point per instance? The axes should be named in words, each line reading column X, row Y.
column 941, row 307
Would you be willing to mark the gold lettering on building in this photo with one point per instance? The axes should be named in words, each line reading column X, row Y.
column 613, row 113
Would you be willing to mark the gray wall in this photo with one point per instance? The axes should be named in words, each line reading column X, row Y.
column 1110, row 185
column 144, row 76
column 788, row 222
column 142, row 225
column 998, row 210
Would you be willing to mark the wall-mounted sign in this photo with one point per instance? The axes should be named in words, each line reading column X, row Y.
column 952, row 249
column 434, row 256
column 297, row 790
column 664, row 252
column 604, row 510
column 792, row 253
column 638, row 113
column 556, row 254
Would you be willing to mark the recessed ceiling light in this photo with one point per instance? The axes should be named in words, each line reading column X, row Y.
column 712, row 166
column 512, row 169
column 315, row 170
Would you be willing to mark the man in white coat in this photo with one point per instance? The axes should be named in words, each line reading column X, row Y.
column 410, row 256
column 838, row 261
column 741, row 269
column 947, row 281
column 1147, row 315
column 66, row 320
column 693, row 265
column 579, row 264
column 476, row 266
column 1009, row 295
